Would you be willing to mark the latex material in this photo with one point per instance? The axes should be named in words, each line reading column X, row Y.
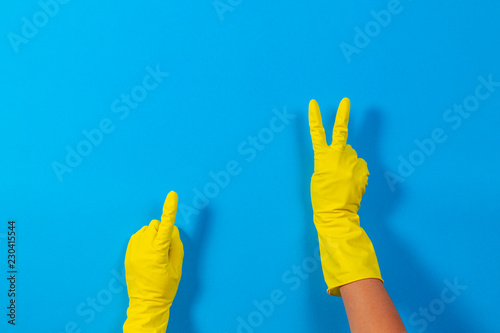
column 153, row 266
column 337, row 186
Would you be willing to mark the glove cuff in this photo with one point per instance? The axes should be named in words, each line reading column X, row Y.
column 347, row 253
column 146, row 316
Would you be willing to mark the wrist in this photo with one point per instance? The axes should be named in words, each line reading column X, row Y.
column 147, row 316
column 336, row 216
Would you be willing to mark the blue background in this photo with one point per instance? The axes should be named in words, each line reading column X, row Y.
column 227, row 73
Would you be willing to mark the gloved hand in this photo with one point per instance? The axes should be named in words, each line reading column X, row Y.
column 153, row 266
column 337, row 186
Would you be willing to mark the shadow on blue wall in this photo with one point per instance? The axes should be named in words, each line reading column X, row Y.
column 411, row 284
column 190, row 281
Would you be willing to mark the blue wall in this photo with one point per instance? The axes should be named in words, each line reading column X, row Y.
column 424, row 82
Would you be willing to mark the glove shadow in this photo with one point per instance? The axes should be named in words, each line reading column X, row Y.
column 409, row 282
column 181, row 313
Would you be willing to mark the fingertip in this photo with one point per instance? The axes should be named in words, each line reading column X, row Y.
column 344, row 107
column 313, row 103
column 346, row 101
column 316, row 125
column 340, row 132
column 172, row 195
column 155, row 224
column 170, row 206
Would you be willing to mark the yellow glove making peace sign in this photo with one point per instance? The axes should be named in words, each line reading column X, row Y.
column 337, row 186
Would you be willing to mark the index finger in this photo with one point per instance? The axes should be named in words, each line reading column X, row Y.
column 339, row 136
column 164, row 235
column 316, row 125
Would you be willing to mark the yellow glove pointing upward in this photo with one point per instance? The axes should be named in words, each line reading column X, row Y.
column 153, row 266
column 337, row 186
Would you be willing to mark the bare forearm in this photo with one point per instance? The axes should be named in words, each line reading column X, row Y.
column 369, row 308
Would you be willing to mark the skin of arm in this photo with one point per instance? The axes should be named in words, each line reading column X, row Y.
column 369, row 308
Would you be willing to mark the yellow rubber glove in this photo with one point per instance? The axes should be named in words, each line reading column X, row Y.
column 153, row 266
column 337, row 186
